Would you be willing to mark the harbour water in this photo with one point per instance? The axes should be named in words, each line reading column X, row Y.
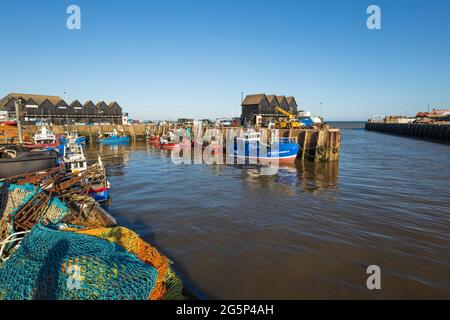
column 310, row 231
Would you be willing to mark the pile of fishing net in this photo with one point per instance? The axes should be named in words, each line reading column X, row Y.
column 59, row 262
column 168, row 285
column 22, row 205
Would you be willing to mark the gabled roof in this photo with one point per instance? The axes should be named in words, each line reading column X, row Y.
column 281, row 98
column 76, row 103
column 88, row 103
column 271, row 97
column 31, row 101
column 61, row 102
column 101, row 104
column 253, row 99
column 291, row 100
column 39, row 99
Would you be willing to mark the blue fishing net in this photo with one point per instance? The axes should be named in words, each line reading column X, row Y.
column 57, row 265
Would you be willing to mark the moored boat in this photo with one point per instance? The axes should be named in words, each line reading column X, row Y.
column 73, row 136
column 73, row 157
column 251, row 148
column 100, row 185
column 171, row 141
column 113, row 138
column 44, row 138
column 16, row 160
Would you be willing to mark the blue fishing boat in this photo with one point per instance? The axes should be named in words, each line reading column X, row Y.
column 250, row 147
column 113, row 138
column 73, row 136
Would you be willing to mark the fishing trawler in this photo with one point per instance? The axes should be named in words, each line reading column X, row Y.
column 73, row 157
column 113, row 137
column 170, row 141
column 73, row 136
column 44, row 138
column 251, row 148
column 151, row 137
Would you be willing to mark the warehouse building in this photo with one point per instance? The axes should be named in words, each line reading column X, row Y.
column 56, row 111
column 264, row 106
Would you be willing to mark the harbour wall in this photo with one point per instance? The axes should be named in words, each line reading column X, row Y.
column 436, row 132
column 321, row 144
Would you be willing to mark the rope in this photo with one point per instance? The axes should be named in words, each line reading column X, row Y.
column 12, row 154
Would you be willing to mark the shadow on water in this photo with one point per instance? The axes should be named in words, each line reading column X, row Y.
column 48, row 277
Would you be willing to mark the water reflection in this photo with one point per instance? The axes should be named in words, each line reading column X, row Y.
column 115, row 157
column 300, row 177
column 290, row 179
column 375, row 206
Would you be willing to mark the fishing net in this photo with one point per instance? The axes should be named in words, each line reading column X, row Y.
column 174, row 287
column 56, row 265
column 26, row 205
column 131, row 242
column 12, row 199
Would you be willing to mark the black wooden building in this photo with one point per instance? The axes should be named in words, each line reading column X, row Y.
column 253, row 105
column 55, row 110
column 265, row 106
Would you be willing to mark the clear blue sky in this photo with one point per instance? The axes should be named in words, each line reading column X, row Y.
column 170, row 59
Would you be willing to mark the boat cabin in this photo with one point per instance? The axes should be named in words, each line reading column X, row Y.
column 74, row 158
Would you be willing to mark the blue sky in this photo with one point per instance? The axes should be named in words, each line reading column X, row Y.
column 171, row 59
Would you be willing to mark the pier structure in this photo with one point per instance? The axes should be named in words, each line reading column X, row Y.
column 436, row 132
column 321, row 144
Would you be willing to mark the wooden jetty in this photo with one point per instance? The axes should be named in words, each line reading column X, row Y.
column 436, row 132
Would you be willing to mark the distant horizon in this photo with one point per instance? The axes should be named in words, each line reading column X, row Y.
column 192, row 59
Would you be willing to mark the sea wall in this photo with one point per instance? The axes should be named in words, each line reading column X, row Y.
column 437, row 132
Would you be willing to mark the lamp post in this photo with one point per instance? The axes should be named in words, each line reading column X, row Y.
column 18, row 104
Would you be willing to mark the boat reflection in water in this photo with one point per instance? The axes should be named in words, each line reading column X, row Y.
column 299, row 177
column 115, row 156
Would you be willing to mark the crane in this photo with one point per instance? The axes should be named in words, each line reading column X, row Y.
column 291, row 123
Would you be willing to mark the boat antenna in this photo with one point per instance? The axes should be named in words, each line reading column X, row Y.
column 18, row 104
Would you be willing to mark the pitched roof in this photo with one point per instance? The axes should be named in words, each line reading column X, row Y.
column 253, row 99
column 89, row 102
column 280, row 98
column 61, row 102
column 101, row 104
column 271, row 97
column 291, row 100
column 39, row 99
column 76, row 103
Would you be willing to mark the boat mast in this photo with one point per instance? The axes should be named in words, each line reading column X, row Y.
column 17, row 104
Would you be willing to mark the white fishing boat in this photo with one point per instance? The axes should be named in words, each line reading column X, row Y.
column 73, row 157
column 44, row 137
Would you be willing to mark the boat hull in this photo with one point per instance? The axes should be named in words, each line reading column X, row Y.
column 286, row 153
column 28, row 162
column 101, row 195
column 118, row 140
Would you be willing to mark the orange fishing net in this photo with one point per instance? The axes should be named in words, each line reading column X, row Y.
column 130, row 241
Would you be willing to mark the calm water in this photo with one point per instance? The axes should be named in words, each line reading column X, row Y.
column 308, row 232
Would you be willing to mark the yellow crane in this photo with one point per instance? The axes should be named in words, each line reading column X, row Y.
column 291, row 123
